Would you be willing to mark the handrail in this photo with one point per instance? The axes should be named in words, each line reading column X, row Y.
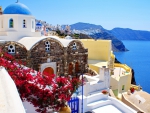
column 124, row 66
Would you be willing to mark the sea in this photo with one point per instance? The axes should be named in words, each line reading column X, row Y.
column 138, row 58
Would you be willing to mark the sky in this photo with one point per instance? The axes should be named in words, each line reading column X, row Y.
column 133, row 14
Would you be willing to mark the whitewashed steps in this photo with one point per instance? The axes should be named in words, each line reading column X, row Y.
column 98, row 103
column 96, row 97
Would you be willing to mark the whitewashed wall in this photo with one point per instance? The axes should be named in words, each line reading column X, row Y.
column 10, row 101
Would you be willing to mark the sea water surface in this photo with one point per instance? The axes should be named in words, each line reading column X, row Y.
column 138, row 58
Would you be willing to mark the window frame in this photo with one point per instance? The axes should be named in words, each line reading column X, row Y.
column 24, row 23
column 11, row 23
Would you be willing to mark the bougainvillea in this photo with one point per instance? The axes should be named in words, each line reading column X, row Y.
column 44, row 91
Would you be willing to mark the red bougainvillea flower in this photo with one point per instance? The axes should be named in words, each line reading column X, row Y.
column 42, row 90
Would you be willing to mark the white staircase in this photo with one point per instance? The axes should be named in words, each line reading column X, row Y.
column 97, row 100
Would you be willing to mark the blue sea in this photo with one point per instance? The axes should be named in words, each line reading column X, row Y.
column 138, row 58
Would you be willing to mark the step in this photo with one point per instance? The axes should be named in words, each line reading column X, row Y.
column 98, row 103
column 98, row 91
column 95, row 97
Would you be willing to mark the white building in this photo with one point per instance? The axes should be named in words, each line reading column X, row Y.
column 16, row 22
column 97, row 102
column 38, row 27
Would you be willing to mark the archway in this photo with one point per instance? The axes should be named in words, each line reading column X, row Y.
column 70, row 70
column 48, row 71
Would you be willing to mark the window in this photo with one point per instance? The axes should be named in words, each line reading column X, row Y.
column 32, row 24
column 123, row 87
column 24, row 24
column 74, row 46
column 11, row 49
column 11, row 23
column 47, row 46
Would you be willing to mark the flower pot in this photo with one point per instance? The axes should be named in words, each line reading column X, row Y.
column 65, row 109
column 105, row 92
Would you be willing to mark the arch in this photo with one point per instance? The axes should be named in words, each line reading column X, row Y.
column 76, row 41
column 57, row 40
column 48, row 71
column 70, row 69
column 11, row 23
column 46, row 39
column 24, row 23
column 77, row 67
column 16, row 44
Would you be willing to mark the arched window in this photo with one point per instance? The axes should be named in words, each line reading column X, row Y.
column 24, row 24
column 74, row 46
column 11, row 23
column 47, row 46
column 32, row 24
column 11, row 49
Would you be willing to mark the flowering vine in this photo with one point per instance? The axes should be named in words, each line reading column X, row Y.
column 44, row 91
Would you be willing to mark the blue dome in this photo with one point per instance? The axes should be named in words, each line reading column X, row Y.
column 38, row 24
column 17, row 8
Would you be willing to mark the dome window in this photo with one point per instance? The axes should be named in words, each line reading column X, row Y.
column 24, row 24
column 74, row 46
column 11, row 23
column 11, row 49
column 47, row 46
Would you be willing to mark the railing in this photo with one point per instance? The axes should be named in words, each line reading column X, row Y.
column 74, row 104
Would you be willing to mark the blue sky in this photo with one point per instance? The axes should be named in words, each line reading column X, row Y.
column 134, row 14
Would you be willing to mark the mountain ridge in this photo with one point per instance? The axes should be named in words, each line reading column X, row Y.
column 129, row 34
column 118, row 32
column 98, row 32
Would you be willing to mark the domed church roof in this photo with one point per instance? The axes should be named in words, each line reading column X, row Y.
column 17, row 8
column 38, row 24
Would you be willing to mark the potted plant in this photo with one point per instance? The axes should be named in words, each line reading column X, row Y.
column 65, row 109
column 104, row 92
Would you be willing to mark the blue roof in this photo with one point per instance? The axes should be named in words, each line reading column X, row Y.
column 38, row 24
column 17, row 8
